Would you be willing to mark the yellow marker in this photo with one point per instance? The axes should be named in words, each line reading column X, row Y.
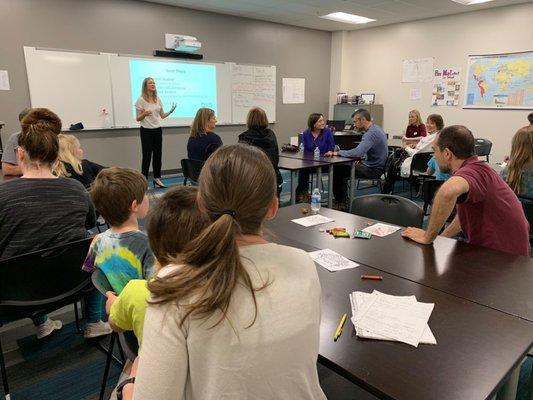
column 338, row 332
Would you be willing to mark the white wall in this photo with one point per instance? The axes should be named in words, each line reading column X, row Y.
column 371, row 62
column 138, row 27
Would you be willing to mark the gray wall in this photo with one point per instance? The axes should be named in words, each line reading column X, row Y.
column 135, row 27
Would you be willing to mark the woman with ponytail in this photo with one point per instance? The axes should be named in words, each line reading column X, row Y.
column 235, row 316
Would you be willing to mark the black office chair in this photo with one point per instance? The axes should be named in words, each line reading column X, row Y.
column 376, row 181
column 527, row 205
column 29, row 285
column 429, row 188
column 419, row 166
column 389, row 208
column 191, row 170
column 483, row 148
column 101, row 283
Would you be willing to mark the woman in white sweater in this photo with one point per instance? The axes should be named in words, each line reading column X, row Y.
column 402, row 165
column 235, row 317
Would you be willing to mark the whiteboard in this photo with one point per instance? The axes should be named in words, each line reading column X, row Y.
column 79, row 86
column 75, row 85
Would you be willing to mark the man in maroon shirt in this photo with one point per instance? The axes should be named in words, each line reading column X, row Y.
column 488, row 212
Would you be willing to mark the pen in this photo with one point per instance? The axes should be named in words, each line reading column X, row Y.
column 338, row 332
column 372, row 277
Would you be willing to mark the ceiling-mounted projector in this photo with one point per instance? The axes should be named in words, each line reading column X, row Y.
column 184, row 43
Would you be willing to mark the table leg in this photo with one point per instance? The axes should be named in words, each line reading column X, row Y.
column 509, row 389
column 330, row 187
column 352, row 185
column 319, row 178
column 293, row 187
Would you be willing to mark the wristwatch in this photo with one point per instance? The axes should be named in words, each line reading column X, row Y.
column 121, row 386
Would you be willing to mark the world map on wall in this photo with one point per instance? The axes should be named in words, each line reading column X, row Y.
column 500, row 81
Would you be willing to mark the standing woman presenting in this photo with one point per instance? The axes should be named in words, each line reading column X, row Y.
column 149, row 114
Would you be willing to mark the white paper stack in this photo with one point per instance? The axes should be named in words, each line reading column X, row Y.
column 396, row 318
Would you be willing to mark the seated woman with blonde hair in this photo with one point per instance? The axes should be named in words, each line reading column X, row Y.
column 71, row 163
column 519, row 172
column 416, row 129
column 203, row 140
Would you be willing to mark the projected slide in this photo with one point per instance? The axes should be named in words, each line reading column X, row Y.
column 190, row 86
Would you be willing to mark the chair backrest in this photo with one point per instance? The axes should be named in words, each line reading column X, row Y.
column 483, row 147
column 388, row 208
column 527, row 205
column 45, row 276
column 129, row 343
column 191, row 169
column 390, row 160
column 419, row 163
column 429, row 189
column 100, row 281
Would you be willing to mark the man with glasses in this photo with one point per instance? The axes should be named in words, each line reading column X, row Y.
column 372, row 150
column 10, row 166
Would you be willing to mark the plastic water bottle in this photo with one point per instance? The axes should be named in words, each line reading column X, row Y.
column 317, row 152
column 301, row 148
column 316, row 201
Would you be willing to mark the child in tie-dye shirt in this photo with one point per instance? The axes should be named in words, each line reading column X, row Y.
column 121, row 256
column 122, row 252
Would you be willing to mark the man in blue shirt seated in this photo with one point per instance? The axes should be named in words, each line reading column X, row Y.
column 372, row 150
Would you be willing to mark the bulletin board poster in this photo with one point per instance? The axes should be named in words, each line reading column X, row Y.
column 446, row 87
column 500, row 81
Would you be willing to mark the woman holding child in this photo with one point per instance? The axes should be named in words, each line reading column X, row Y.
column 227, row 318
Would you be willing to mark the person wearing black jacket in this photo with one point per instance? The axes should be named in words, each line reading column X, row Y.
column 259, row 135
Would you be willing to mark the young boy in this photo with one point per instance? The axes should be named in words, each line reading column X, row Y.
column 122, row 252
column 171, row 224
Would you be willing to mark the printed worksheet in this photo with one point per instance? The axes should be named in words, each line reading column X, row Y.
column 312, row 220
column 331, row 260
column 380, row 229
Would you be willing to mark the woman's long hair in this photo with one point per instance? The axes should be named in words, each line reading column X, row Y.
column 198, row 126
column 147, row 96
column 236, row 188
column 521, row 157
column 67, row 155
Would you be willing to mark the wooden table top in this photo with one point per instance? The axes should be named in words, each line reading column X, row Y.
column 476, row 349
column 492, row 278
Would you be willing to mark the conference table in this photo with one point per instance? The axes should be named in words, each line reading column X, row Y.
column 482, row 318
column 492, row 278
column 306, row 159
